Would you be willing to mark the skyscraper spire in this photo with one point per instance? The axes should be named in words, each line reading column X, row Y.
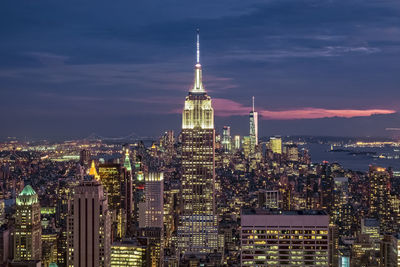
column 198, row 46
column 198, row 84
column 253, row 103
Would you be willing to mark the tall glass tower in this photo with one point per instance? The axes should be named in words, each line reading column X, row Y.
column 253, row 130
column 197, row 230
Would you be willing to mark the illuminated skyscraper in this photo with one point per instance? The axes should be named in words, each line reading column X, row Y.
column 253, row 130
column 226, row 139
column 28, row 230
column 341, row 210
column 127, row 190
column 275, row 144
column 89, row 226
column 112, row 177
column 379, row 204
column 151, row 210
column 237, row 142
column 197, row 232
column 246, row 146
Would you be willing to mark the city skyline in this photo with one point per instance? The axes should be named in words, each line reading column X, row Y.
column 288, row 154
column 132, row 67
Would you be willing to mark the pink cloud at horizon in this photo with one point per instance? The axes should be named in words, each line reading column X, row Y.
column 226, row 108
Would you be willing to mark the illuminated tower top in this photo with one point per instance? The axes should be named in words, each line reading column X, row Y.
column 127, row 162
column 198, row 83
column 93, row 171
column 28, row 196
column 198, row 111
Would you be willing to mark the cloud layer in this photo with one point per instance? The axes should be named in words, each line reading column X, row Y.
column 226, row 108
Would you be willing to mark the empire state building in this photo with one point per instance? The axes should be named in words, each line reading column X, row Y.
column 197, row 230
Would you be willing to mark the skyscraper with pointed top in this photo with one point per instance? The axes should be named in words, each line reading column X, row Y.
column 253, row 129
column 197, row 230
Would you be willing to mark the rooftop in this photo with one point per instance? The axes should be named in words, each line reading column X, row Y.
column 282, row 212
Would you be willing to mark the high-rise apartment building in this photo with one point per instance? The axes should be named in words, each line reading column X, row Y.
column 253, row 129
column 89, row 227
column 341, row 210
column 379, row 197
column 197, row 230
column 284, row 238
column 28, row 230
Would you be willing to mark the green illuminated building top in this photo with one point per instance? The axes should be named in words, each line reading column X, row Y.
column 127, row 162
column 28, row 196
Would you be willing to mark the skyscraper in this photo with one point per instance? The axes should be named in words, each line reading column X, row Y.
column 151, row 210
column 89, row 226
column 151, row 217
column 197, row 231
column 253, row 129
column 379, row 180
column 237, row 142
column 28, row 230
column 341, row 212
column 127, row 190
column 112, row 177
column 226, row 139
column 275, row 144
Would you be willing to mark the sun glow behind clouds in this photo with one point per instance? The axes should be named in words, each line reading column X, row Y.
column 226, row 108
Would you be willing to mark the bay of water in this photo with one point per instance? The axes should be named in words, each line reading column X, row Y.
column 360, row 162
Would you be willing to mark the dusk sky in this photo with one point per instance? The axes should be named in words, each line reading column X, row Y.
column 315, row 67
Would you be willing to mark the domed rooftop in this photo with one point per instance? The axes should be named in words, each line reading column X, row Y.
column 28, row 196
column 53, row 264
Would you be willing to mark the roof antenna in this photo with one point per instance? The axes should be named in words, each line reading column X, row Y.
column 198, row 46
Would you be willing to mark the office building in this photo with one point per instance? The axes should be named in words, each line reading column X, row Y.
column 89, row 227
column 197, row 230
column 115, row 182
column 151, row 210
column 275, row 144
column 28, row 230
column 284, row 238
column 128, row 253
